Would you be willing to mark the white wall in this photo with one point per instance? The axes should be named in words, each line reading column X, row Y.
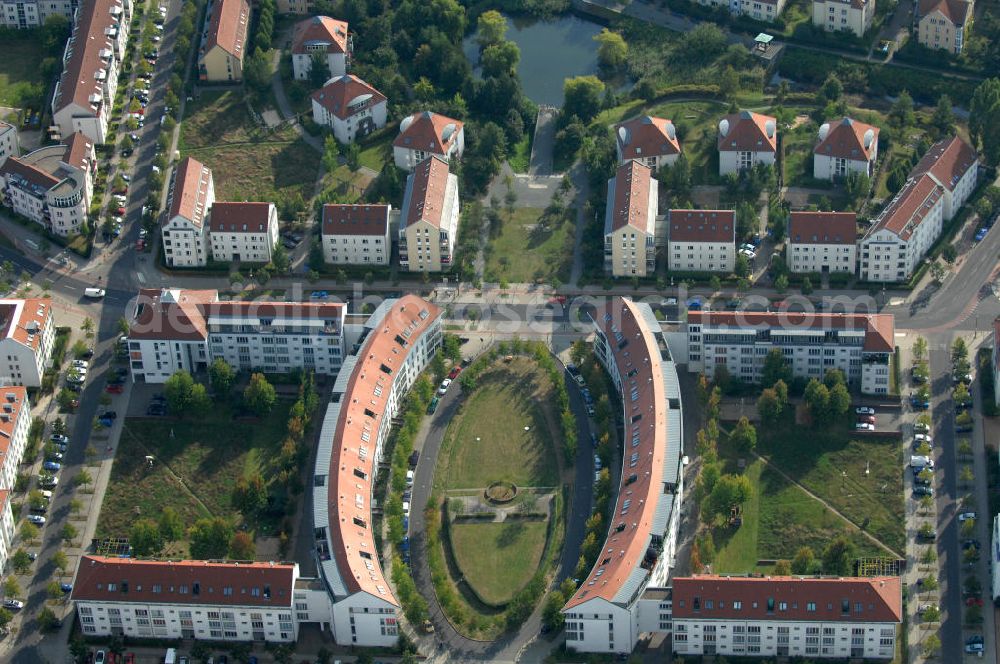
column 825, row 167
column 375, row 621
column 188, row 243
column 729, row 162
column 345, row 130
column 279, row 625
column 804, row 257
column 702, row 256
column 357, row 249
column 407, row 158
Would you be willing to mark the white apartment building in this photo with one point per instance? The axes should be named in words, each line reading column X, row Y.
column 897, row 240
column 650, row 141
column 15, row 421
column 52, row 186
column 427, row 134
column 324, row 37
column 630, row 222
column 185, row 231
column 996, row 361
column 812, row 617
column 995, row 543
column 85, row 93
column 28, row 332
column 396, row 344
column 9, row 145
column 943, row 24
column 174, row 329
column 186, row 599
column 745, row 140
column 6, row 526
column 243, row 232
column 954, row 165
column 603, row 616
column 854, row 16
column 822, row 241
column 350, row 107
column 845, row 147
column 428, row 225
column 25, row 14
column 860, row 345
column 759, row 10
column 701, row 241
column 356, row 234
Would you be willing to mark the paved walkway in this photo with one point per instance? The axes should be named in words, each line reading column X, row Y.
column 278, row 87
column 543, row 142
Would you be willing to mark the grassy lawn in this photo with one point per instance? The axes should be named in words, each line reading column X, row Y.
column 520, row 157
column 196, row 464
column 526, row 251
column 347, row 187
column 20, row 80
column 375, row 147
column 498, row 559
column 698, row 126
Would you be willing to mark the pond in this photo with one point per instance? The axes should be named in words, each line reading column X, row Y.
column 551, row 51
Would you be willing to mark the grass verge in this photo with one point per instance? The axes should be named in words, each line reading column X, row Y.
column 498, row 559
column 531, row 247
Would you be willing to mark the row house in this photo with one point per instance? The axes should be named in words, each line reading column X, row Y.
column 859, row 345
column 638, row 553
column 427, row 134
column 822, row 242
column 26, row 345
column 224, row 41
column 321, row 38
column 854, row 16
column 356, row 234
column 701, row 241
column 52, row 186
column 15, row 421
column 843, row 148
column 630, row 222
column 745, row 140
column 173, row 329
column 944, row 24
column 9, row 145
column 26, row 14
column 243, row 232
column 428, row 226
column 92, row 59
column 6, row 525
column 185, row 230
column 759, row 10
column 396, row 344
column 650, row 141
column 350, row 107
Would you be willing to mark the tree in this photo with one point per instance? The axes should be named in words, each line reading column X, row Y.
column 29, row 531
column 959, row 350
column 82, row 478
column 856, row 185
column 742, row 267
column 250, row 494
column 817, row 398
column 500, row 59
column 729, row 490
column 491, row 28
column 919, row 349
column 781, row 283
column 145, row 538
column 803, row 561
column 838, row 557
column 582, row 97
column 744, row 436
column 46, row 618
column 242, row 547
column 319, row 70
column 177, row 390
column 769, row 406
column 984, row 117
column 257, row 70
column 782, row 568
column 901, row 113
column 53, row 590
column 944, row 117
column 728, row 81
column 259, row 395
column 832, row 88
column 612, row 51
column 210, row 538
column 775, row 368
column 170, row 525
column 69, row 532
column 55, row 31
column 840, row 400
column 938, row 272
column 11, row 588
column 20, row 561
column 807, row 286
column 222, row 376
column 60, row 560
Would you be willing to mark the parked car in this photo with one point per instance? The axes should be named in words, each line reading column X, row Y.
column 919, row 404
column 109, row 415
column 59, row 438
column 922, row 490
column 48, row 481
column 35, row 519
column 966, row 516
column 81, row 364
column 864, row 410
column 921, row 427
column 864, row 426
column 13, row 604
column 922, row 438
column 101, row 657
column 453, row 374
column 870, row 419
column 414, row 458
column 319, row 295
column 432, row 406
column 51, row 465
column 115, row 389
column 973, row 648
column 444, row 387
column 66, row 587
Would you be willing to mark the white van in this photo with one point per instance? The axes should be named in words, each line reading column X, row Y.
column 170, row 657
column 95, row 293
column 917, row 461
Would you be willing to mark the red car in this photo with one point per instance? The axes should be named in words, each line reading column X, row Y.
column 115, row 389
column 120, row 210
column 130, row 658
column 140, row 245
column 454, row 373
column 974, row 601
column 870, row 419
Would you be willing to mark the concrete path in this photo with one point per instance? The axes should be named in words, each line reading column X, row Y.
column 582, row 188
column 544, row 141
column 278, row 87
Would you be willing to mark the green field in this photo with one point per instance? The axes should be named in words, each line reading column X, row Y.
column 20, row 79
column 531, row 248
column 498, row 559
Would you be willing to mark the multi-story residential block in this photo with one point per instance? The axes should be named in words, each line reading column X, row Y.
column 996, row 365
column 845, row 147
column 899, row 237
column 428, row 225
column 245, row 232
column 15, row 420
column 854, row 16
column 954, row 165
column 427, row 134
column 6, row 526
column 943, row 24
column 85, row 92
column 397, row 343
column 23, row 14
column 350, row 107
column 650, row 141
column 52, row 186
column 814, row 617
column 324, row 37
column 356, row 234
column 759, row 10
column 630, row 222
column 860, row 345
column 745, row 140
column 185, row 233
column 995, row 542
column 638, row 554
column 9, row 145
column 224, row 43
column 28, row 334
column 701, row 241
column 186, row 599
column 822, row 241
column 172, row 329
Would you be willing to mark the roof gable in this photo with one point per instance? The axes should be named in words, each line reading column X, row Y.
column 227, row 27
column 340, row 219
column 747, row 131
column 947, row 161
column 822, row 227
column 320, row 34
column 647, row 137
column 847, row 139
column 428, row 131
column 702, row 226
column 426, row 193
column 347, row 95
column 633, row 188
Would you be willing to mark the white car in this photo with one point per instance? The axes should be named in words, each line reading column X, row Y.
column 669, row 302
column 81, row 364
column 864, row 410
column 967, row 516
column 406, row 509
column 35, row 519
column 444, row 387
column 864, row 426
column 100, row 657
column 920, row 427
column 14, row 604
column 917, row 461
column 922, row 438
column 409, row 478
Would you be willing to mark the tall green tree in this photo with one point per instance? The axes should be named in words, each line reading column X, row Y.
column 145, row 538
column 177, row 390
column 210, row 538
column 612, row 51
column 744, row 436
column 984, row 118
column 259, row 396
column 170, row 525
column 222, row 376
column 775, row 368
column 582, row 97
column 491, row 28
column 728, row 491
column 250, row 494
column 839, row 556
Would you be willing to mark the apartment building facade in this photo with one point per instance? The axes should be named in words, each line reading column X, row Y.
column 428, row 226
column 822, row 242
column 324, row 37
column 243, row 232
column 954, row 165
column 650, row 141
column 759, row 10
column 603, row 615
column 812, row 617
column 903, row 232
column 224, row 41
column 28, row 328
column 175, row 329
column 356, row 234
column 843, row 148
column 701, row 241
column 630, row 222
column 26, row 14
column 350, row 107
column 745, row 140
column 15, row 421
column 996, row 360
column 427, row 134
column 185, row 230
column 854, row 16
column 859, row 345
column 9, row 145
column 6, row 526
column 944, row 24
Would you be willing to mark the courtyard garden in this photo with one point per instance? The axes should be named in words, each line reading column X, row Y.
column 531, row 245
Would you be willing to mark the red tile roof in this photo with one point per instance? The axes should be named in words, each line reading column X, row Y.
column 34, row 175
column 227, row 27
column 822, row 227
column 13, row 404
column 847, row 140
column 958, row 12
column 347, row 95
column 947, row 161
column 647, row 137
column 909, row 208
column 89, row 41
column 426, row 188
column 880, row 329
column 702, row 226
column 429, row 132
column 189, row 198
column 319, row 31
column 880, row 598
column 24, row 321
column 184, row 582
column 240, row 217
column 633, row 186
column 79, row 151
column 996, row 342
column 355, row 219
column 748, row 132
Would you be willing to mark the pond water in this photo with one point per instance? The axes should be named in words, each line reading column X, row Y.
column 551, row 51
